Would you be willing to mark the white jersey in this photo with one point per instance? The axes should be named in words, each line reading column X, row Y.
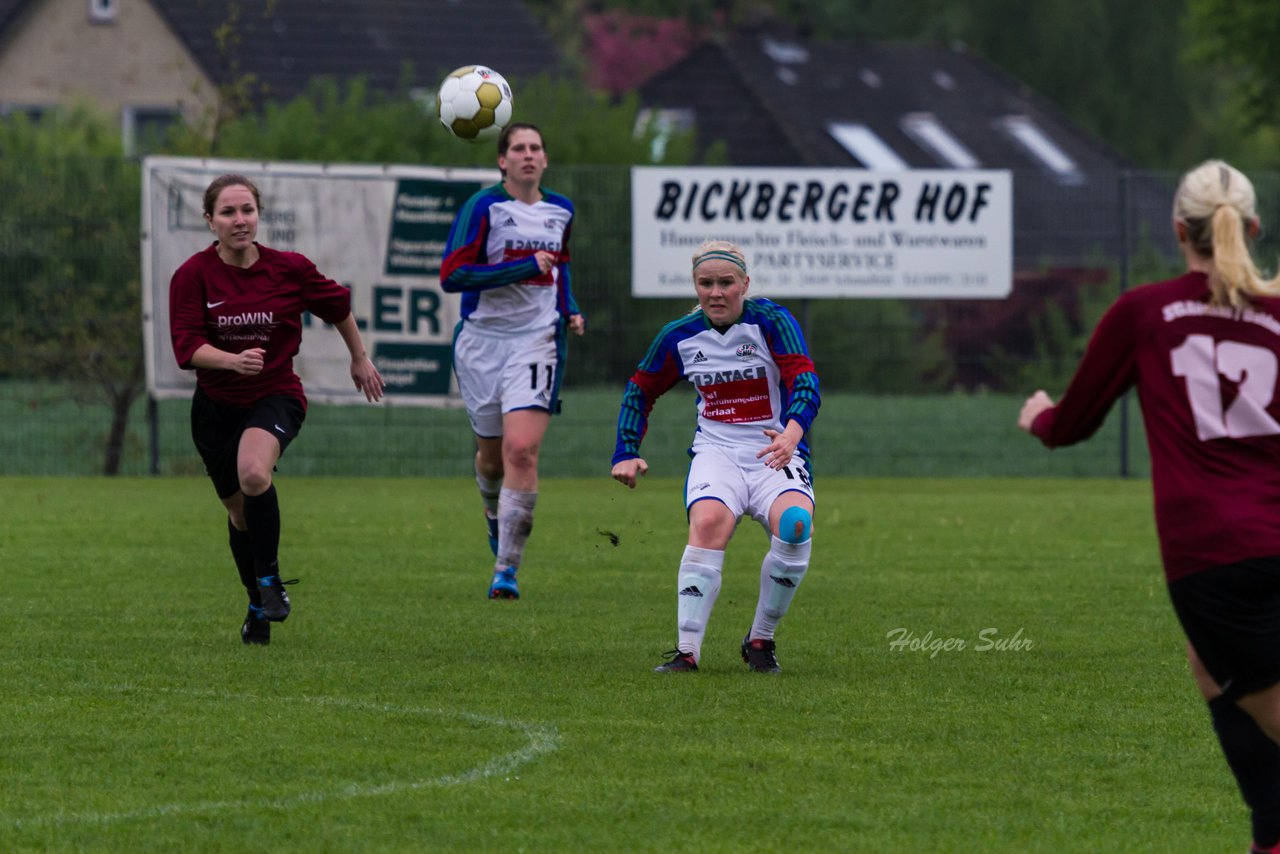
column 754, row 375
column 489, row 259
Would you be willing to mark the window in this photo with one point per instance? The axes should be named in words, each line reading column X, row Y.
column 934, row 137
column 789, row 53
column 144, row 128
column 104, row 11
column 870, row 150
column 1042, row 149
column 33, row 112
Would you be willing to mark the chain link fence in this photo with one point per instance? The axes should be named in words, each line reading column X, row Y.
column 910, row 388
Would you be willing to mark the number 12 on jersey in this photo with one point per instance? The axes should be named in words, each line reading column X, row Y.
column 1203, row 361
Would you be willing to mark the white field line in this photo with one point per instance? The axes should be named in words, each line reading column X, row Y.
column 539, row 740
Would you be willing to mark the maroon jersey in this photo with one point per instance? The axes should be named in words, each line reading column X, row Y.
column 235, row 309
column 1206, row 379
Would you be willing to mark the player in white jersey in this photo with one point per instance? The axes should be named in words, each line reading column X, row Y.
column 757, row 398
column 508, row 255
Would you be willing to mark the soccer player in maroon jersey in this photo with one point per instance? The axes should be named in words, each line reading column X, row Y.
column 235, row 316
column 1203, row 351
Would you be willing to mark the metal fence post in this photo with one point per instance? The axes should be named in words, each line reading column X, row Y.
column 153, row 433
column 1124, row 286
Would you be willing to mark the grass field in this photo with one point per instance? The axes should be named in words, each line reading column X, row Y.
column 399, row 710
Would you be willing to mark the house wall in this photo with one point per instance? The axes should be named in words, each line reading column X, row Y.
column 54, row 54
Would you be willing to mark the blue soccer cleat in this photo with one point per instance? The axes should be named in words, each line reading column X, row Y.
column 504, row 584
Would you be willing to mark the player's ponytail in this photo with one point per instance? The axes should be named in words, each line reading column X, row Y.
column 1216, row 204
column 1235, row 277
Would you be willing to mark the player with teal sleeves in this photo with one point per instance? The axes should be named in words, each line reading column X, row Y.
column 757, row 399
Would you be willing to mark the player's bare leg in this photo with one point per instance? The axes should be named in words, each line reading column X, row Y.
column 522, row 434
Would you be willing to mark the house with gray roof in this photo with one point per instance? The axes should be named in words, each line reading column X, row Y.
column 768, row 99
column 151, row 60
column 774, row 101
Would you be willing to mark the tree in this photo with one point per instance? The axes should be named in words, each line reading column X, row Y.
column 70, row 266
column 1240, row 36
column 346, row 122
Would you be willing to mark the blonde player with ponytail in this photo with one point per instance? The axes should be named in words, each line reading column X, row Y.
column 1203, row 351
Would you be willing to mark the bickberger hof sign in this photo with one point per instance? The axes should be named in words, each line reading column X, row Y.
column 381, row 231
column 828, row 232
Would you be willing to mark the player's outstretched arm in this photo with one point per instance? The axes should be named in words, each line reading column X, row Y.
column 629, row 471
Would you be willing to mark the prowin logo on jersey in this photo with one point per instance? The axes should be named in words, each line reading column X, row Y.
column 691, row 590
column 248, row 318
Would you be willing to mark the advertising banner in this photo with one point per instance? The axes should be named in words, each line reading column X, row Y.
column 380, row 231
column 918, row 234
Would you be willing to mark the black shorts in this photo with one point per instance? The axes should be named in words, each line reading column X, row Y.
column 1231, row 615
column 216, row 430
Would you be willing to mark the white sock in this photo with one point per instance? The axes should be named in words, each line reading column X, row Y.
column 489, row 490
column 515, row 521
column 781, row 572
column 697, row 587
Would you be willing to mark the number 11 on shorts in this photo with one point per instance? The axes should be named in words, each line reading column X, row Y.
column 533, row 375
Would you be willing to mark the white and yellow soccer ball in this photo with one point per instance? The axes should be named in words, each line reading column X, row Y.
column 474, row 103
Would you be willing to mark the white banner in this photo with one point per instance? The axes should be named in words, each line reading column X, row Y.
column 827, row 232
column 381, row 231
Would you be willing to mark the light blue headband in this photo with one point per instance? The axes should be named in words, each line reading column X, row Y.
column 722, row 255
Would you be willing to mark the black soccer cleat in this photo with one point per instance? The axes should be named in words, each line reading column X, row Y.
column 256, row 628
column 677, row 662
column 275, row 601
column 759, row 655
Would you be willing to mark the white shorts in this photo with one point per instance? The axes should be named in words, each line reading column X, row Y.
column 742, row 482
column 499, row 374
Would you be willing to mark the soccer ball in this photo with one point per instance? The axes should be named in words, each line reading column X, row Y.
column 474, row 103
